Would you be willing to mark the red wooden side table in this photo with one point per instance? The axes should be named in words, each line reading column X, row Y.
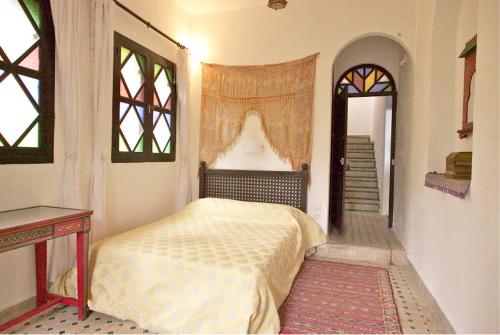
column 36, row 225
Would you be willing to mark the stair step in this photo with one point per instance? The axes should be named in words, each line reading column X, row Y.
column 362, row 201
column 361, row 189
column 361, row 207
column 361, row 174
column 360, row 154
column 358, row 139
column 359, row 163
column 360, row 182
column 361, row 195
column 350, row 168
column 359, row 146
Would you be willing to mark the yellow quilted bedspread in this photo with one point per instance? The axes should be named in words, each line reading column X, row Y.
column 218, row 266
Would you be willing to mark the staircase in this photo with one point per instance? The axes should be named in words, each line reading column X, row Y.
column 361, row 185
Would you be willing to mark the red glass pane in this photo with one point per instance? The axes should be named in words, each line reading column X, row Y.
column 123, row 90
column 155, row 102
column 169, row 104
column 140, row 95
column 32, row 61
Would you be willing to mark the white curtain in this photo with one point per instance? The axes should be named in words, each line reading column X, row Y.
column 66, row 16
column 102, row 96
column 184, row 195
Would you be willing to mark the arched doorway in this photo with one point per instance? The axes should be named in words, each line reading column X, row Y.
column 364, row 80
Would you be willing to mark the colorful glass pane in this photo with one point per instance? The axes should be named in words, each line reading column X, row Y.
column 162, row 87
column 121, row 144
column 34, row 9
column 13, row 18
column 32, row 61
column 133, row 75
column 157, row 70
column 140, row 145
column 379, row 87
column 31, row 139
column 17, row 112
column 365, row 80
column 124, row 52
column 132, row 129
column 162, row 130
column 33, row 87
column 1, row 72
column 142, row 62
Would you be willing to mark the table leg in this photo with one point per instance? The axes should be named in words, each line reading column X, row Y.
column 41, row 272
column 82, row 252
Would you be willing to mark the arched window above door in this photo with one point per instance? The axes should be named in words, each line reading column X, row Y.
column 366, row 78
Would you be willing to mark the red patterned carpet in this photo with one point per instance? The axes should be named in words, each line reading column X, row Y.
column 330, row 297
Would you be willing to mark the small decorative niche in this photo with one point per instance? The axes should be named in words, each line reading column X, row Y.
column 456, row 180
column 469, row 55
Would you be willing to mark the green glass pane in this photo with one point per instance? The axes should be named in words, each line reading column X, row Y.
column 1, row 144
column 155, row 149
column 140, row 146
column 167, row 149
column 142, row 62
column 170, row 75
column 31, row 140
column 157, row 69
column 124, row 54
column 122, row 147
column 34, row 9
column 388, row 89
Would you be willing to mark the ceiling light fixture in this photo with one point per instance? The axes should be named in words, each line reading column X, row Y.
column 277, row 4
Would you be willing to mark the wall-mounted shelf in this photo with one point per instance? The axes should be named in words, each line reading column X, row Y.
column 454, row 187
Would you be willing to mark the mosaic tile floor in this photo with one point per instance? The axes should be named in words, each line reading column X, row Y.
column 418, row 312
column 365, row 229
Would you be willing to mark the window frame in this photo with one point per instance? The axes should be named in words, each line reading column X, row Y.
column 151, row 58
column 46, row 75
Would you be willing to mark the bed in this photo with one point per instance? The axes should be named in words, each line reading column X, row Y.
column 218, row 266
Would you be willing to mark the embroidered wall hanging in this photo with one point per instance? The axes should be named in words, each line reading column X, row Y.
column 281, row 95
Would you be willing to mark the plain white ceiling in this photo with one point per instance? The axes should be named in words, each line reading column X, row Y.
column 202, row 7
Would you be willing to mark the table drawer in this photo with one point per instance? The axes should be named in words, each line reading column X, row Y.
column 68, row 227
column 21, row 238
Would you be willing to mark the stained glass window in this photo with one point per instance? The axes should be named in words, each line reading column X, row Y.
column 144, row 117
column 365, row 79
column 26, row 81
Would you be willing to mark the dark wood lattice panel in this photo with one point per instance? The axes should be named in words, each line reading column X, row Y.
column 287, row 188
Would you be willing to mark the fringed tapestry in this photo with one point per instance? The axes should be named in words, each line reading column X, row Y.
column 280, row 95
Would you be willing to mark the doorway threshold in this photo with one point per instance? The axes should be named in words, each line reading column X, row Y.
column 364, row 239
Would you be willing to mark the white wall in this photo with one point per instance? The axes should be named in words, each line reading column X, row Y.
column 384, row 205
column 452, row 243
column 379, row 145
column 360, row 116
column 136, row 193
column 234, row 38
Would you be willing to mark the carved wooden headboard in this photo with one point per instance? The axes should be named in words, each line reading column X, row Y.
column 278, row 187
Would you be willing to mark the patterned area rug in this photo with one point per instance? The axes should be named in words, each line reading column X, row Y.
column 327, row 297
column 338, row 298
